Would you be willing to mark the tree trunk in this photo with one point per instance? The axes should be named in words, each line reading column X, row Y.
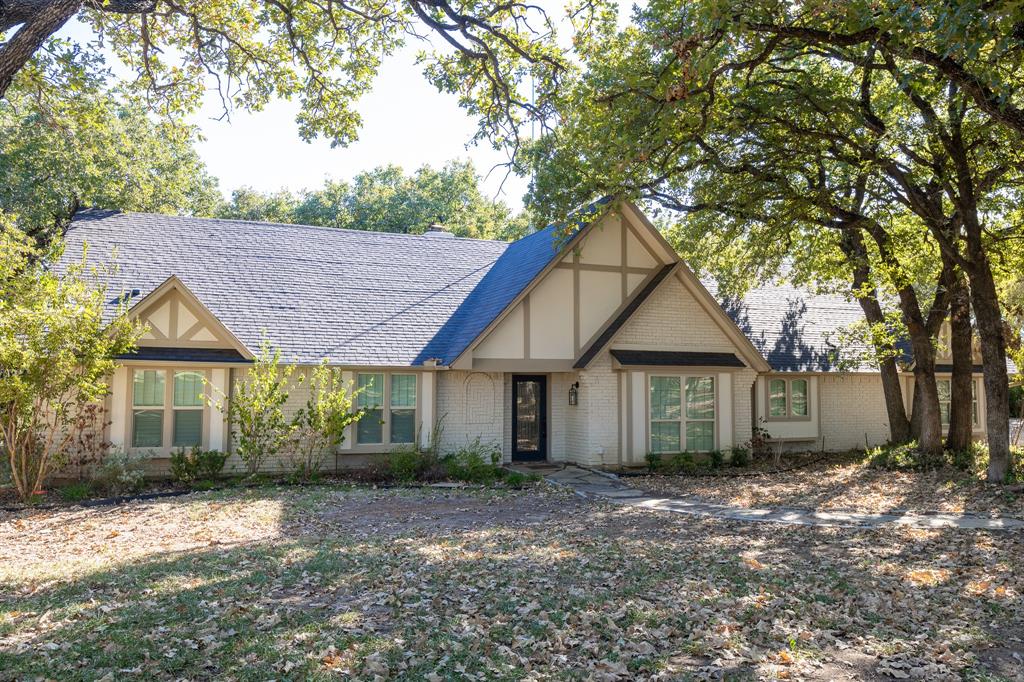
column 915, row 413
column 867, row 297
column 997, row 382
column 961, row 417
column 37, row 27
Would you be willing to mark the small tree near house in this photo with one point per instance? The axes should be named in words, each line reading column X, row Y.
column 318, row 427
column 56, row 352
column 255, row 409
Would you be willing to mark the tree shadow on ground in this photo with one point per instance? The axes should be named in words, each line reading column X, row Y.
column 413, row 583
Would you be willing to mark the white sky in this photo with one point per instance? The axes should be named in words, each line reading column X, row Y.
column 406, row 121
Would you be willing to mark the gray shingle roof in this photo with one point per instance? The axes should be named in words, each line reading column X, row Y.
column 373, row 298
column 795, row 330
column 357, row 298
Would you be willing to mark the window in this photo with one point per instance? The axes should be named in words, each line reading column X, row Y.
column 403, row 408
column 370, row 429
column 188, row 409
column 787, row 399
column 946, row 396
column 154, row 407
column 400, row 425
column 148, row 408
column 682, row 413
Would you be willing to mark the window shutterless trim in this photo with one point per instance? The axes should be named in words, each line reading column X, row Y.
column 166, row 447
column 789, row 416
column 385, row 408
column 683, row 419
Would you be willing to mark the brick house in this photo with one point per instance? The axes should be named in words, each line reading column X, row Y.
column 591, row 343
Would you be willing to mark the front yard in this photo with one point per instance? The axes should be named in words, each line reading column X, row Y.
column 330, row 581
column 843, row 483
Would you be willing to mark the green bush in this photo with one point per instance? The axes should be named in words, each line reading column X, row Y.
column 75, row 492
column 406, row 464
column 740, row 457
column 654, row 461
column 515, row 479
column 476, row 462
column 903, row 457
column 197, row 464
column 681, row 462
column 716, row 458
column 120, row 473
column 973, row 458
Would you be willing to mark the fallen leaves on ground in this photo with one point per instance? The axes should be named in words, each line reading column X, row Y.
column 323, row 582
column 844, row 483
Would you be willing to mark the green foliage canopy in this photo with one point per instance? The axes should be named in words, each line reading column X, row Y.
column 63, row 149
column 387, row 200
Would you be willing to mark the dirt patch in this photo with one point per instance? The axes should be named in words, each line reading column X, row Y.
column 431, row 511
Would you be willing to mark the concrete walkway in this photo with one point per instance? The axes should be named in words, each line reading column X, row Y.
column 609, row 487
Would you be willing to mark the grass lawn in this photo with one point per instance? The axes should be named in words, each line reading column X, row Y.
column 334, row 582
column 844, row 482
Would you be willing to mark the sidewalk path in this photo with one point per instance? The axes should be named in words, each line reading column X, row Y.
column 613, row 489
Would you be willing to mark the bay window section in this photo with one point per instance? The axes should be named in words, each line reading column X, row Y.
column 148, row 408
column 682, row 414
column 946, row 398
column 700, row 414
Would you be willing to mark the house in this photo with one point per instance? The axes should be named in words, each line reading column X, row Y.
column 594, row 345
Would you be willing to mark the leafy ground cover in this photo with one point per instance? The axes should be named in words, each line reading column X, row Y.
column 845, row 482
column 351, row 582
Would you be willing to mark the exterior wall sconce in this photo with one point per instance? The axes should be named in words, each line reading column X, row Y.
column 574, row 393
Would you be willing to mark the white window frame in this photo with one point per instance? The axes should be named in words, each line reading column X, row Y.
column 168, row 408
column 789, row 416
column 174, row 409
column 683, row 419
column 975, row 403
column 386, row 408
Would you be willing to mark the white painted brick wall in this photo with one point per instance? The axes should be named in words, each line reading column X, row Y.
column 672, row 319
column 852, row 411
column 742, row 408
column 471, row 405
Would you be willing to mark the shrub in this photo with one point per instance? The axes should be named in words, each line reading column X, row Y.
column 654, row 461
column 405, row 464
column 256, row 409
column 903, row 457
column 197, row 464
column 716, row 458
column 681, row 462
column 515, row 479
column 56, row 353
column 318, row 427
column 75, row 492
column 973, row 458
column 740, row 457
column 476, row 462
column 120, row 473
